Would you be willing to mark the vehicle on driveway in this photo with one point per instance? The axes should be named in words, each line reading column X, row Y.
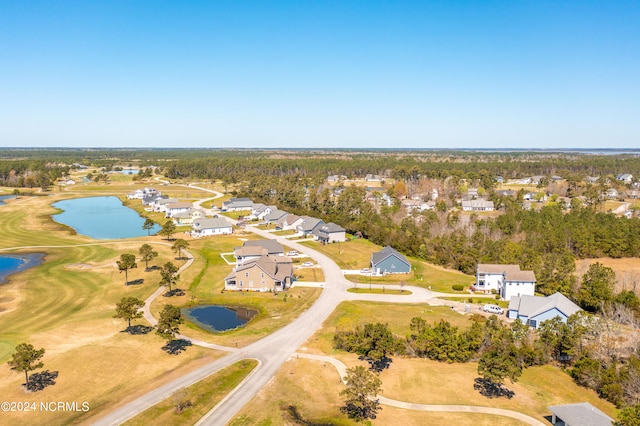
column 307, row 264
column 493, row 309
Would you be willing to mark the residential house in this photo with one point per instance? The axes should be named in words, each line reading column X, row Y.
column 175, row 208
column 259, row 211
column 160, row 204
column 556, row 178
column 580, row 414
column 329, row 233
column 373, row 178
column 267, row 273
column 139, row 194
column 506, row 192
column 290, row 221
column 252, row 250
column 625, row 177
column 307, row 225
column 274, row 216
column 389, row 261
column 610, row 194
column 533, row 310
column 477, row 205
column 187, row 218
column 210, row 226
column 472, row 193
column 237, row 204
column 506, row 280
column 592, row 179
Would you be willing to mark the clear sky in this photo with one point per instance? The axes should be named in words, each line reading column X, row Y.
column 306, row 73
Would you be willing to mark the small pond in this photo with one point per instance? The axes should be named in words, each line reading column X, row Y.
column 219, row 318
column 12, row 263
column 102, row 218
column 5, row 197
column 130, row 171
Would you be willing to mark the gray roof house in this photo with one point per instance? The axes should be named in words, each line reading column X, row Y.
column 308, row 225
column 329, row 233
column 533, row 310
column 210, row 226
column 477, row 205
column 290, row 221
column 237, row 204
column 580, row 414
column 390, row 261
column 274, row 216
column 258, row 248
column 262, row 274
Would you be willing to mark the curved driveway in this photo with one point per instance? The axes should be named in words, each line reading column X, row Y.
column 273, row 350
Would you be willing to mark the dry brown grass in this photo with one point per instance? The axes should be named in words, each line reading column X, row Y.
column 627, row 271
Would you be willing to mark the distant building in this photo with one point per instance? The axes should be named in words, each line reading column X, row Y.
column 237, row 204
column 389, row 261
column 329, row 233
column 477, row 205
column 506, row 280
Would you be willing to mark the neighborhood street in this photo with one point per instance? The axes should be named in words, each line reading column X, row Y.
column 273, row 350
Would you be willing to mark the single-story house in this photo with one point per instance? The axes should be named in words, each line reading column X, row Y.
column 255, row 249
column 507, row 280
column 308, row 224
column 625, row 177
column 533, row 310
column 329, row 233
column 389, row 261
column 210, row 226
column 477, row 205
column 237, row 204
column 610, row 194
column 580, row 414
column 266, row 273
column 274, row 216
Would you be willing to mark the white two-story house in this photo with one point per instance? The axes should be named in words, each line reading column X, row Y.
column 506, row 280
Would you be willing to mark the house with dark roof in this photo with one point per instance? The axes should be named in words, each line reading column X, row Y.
column 237, row 204
column 580, row 414
column 389, row 261
column 203, row 227
column 307, row 225
column 329, row 233
column 533, row 310
column 267, row 273
column 507, row 280
column 274, row 216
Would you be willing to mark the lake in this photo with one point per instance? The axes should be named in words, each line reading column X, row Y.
column 101, row 218
column 12, row 263
column 219, row 318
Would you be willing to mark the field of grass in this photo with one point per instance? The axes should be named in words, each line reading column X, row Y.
column 202, row 397
column 627, row 271
column 356, row 254
column 310, row 274
column 366, row 290
column 66, row 306
column 307, row 382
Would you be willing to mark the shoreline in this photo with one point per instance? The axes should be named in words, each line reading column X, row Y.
column 30, row 260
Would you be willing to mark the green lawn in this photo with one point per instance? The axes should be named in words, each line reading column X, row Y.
column 356, row 254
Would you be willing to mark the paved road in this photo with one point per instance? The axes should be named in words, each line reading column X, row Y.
column 271, row 351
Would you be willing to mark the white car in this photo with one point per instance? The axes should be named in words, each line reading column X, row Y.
column 307, row 264
column 493, row 309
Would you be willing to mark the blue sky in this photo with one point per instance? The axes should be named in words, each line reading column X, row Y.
column 349, row 74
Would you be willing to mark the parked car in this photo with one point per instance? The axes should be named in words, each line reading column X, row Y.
column 365, row 271
column 307, row 264
column 292, row 253
column 494, row 309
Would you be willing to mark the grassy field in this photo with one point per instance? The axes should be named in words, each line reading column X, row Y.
column 356, row 254
column 202, row 397
column 313, row 388
column 66, row 306
column 366, row 290
column 627, row 271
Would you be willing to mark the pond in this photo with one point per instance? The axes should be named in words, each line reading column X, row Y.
column 219, row 318
column 12, row 263
column 101, row 218
column 5, row 197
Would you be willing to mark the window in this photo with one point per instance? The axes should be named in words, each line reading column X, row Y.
column 246, row 275
column 240, row 283
column 262, row 275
